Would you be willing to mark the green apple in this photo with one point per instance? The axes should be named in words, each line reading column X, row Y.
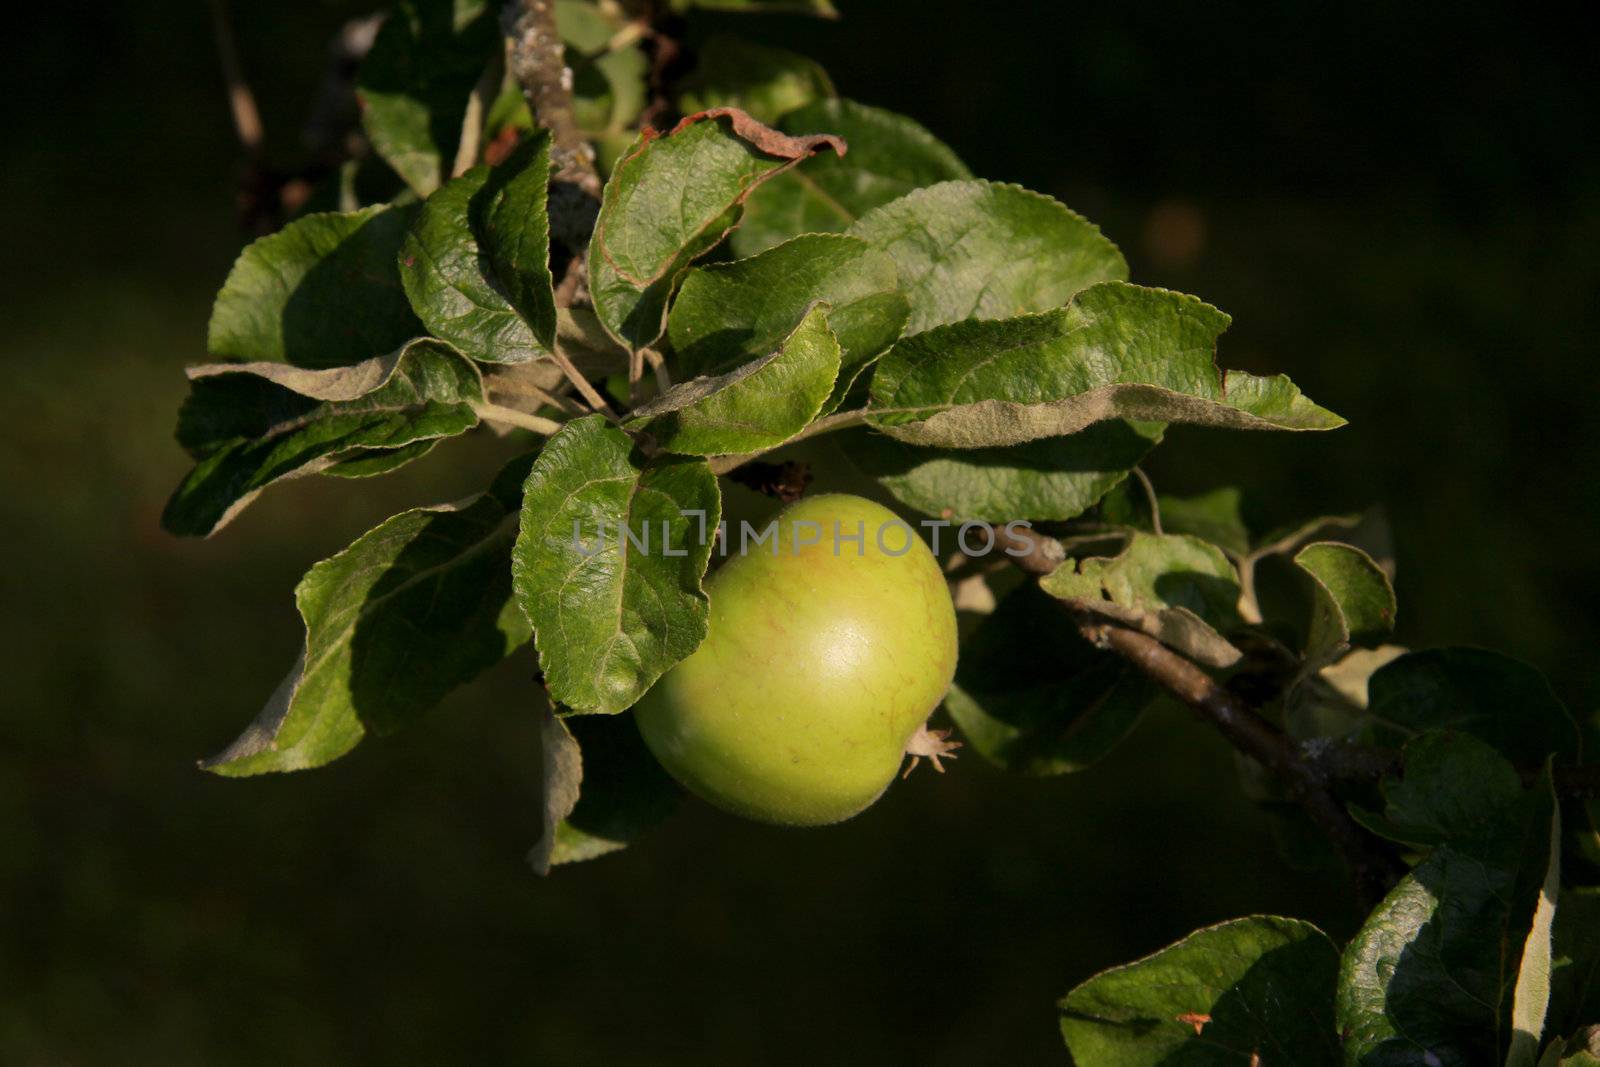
column 830, row 644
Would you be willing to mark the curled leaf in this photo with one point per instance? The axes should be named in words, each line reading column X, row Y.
column 1116, row 351
column 1178, row 589
column 670, row 200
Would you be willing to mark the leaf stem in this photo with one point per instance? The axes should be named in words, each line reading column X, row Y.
column 1249, row 606
column 590, row 395
column 659, row 366
column 1150, row 496
column 537, row 60
column 520, row 419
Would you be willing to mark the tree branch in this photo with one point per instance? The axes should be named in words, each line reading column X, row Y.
column 536, row 59
column 241, row 101
column 540, row 67
column 268, row 195
column 1372, row 868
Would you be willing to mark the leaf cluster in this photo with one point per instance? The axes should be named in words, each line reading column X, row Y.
column 790, row 263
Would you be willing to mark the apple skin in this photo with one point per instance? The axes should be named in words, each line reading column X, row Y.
column 816, row 672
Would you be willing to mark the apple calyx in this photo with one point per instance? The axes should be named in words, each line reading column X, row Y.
column 932, row 744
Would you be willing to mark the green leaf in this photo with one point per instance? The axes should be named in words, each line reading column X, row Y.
column 321, row 292
column 758, row 406
column 1453, row 788
column 1444, row 971
column 1353, row 600
column 510, row 219
column 765, row 82
column 977, row 249
column 1575, row 966
column 890, row 155
column 624, row 790
column 1260, row 986
column 819, row 8
column 1042, row 714
column 670, row 200
column 1053, row 479
column 610, row 615
column 1178, row 589
column 1217, row 516
column 1495, row 698
column 413, row 608
column 247, row 431
column 415, row 82
column 454, row 287
column 730, row 313
column 1116, row 351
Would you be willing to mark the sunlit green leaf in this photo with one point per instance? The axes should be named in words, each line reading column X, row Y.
column 247, row 431
column 1353, row 602
column 455, row 288
column 1116, row 351
column 510, row 219
column 1178, row 589
column 321, row 292
column 669, row 201
column 730, row 313
column 757, row 406
column 607, row 565
column 977, row 249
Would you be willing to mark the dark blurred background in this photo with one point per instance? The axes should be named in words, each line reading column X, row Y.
column 1400, row 208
